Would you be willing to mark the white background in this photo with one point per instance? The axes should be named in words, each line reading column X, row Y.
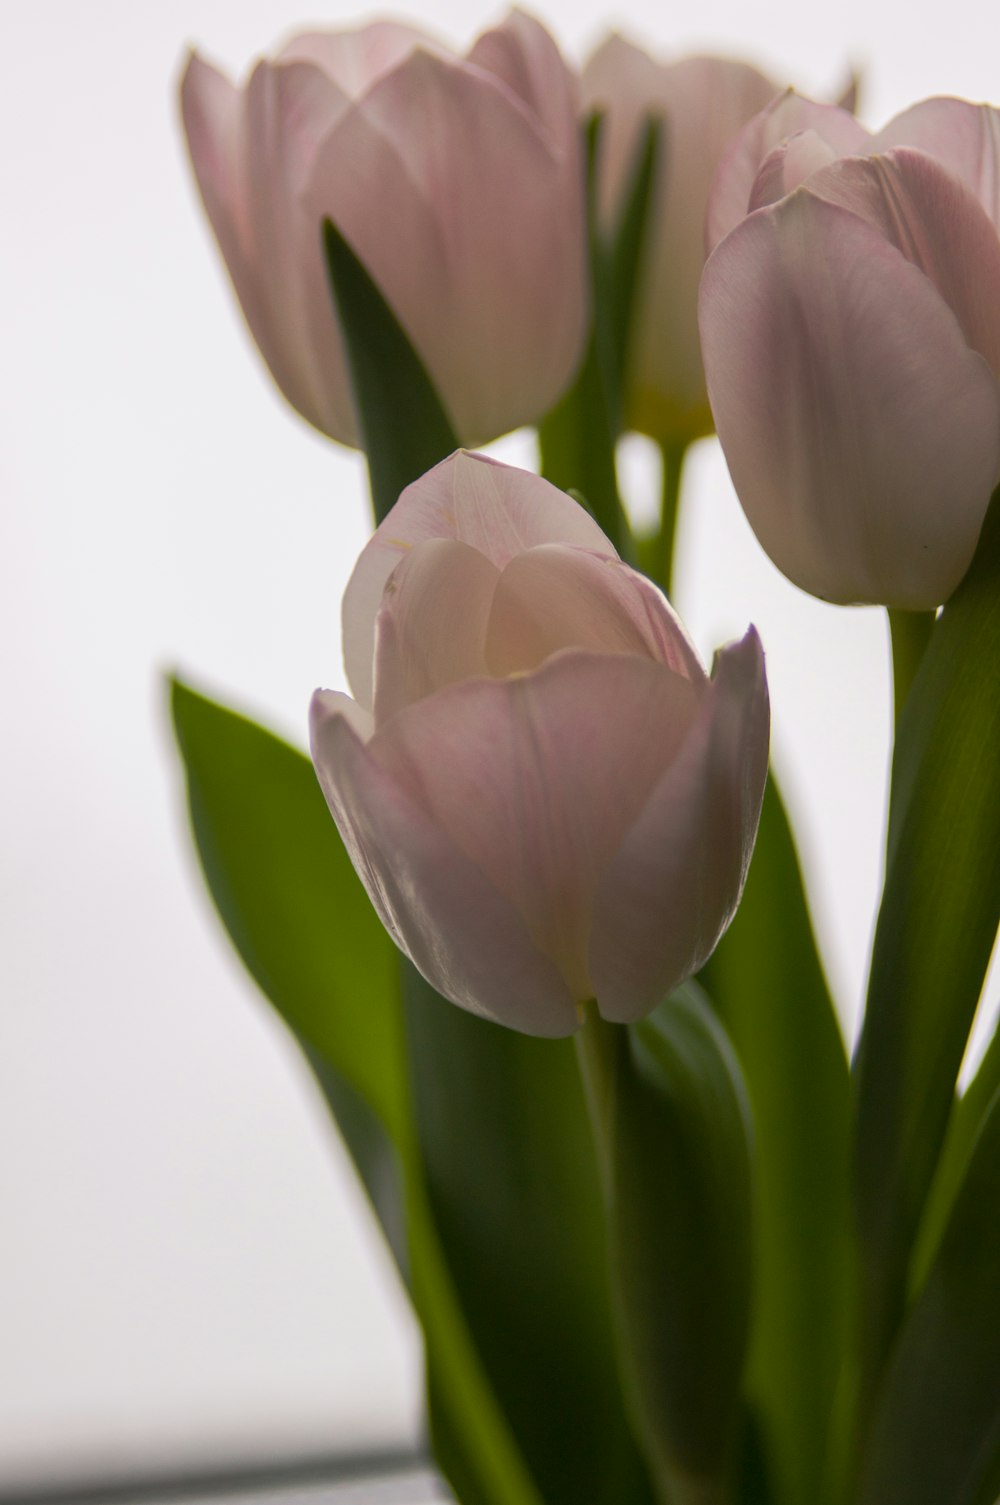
column 187, row 1272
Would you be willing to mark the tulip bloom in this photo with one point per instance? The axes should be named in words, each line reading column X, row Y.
column 544, row 794
column 850, row 321
column 702, row 102
column 456, row 181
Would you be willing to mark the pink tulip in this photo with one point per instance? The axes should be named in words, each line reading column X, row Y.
column 458, row 183
column 850, row 322
column 544, row 794
column 702, row 102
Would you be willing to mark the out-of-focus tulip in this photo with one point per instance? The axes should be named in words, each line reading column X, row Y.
column 850, row 321
column 456, row 181
column 546, row 797
column 702, row 103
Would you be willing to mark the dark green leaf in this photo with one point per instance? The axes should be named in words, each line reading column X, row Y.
column 766, row 983
column 680, row 1213
column 405, row 429
column 936, row 928
column 514, row 1194
column 627, row 246
column 577, row 439
column 963, row 1129
column 935, row 1439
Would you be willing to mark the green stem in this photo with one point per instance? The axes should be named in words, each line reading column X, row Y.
column 910, row 632
column 597, row 1045
column 673, row 455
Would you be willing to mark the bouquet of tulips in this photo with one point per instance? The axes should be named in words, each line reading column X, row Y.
column 550, row 959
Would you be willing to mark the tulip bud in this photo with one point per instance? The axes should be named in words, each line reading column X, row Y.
column 702, row 102
column 546, row 797
column 456, row 181
column 850, row 322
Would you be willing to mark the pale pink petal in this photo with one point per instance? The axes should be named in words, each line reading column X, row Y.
column 964, row 136
column 732, row 188
column 861, row 432
column 937, row 224
column 326, row 704
column 702, row 102
column 475, row 235
column 356, row 57
column 677, row 876
column 212, row 113
column 847, row 99
column 494, row 508
column 619, row 79
column 788, row 166
column 537, row 778
column 556, row 596
column 522, row 54
column 436, row 903
column 431, row 627
column 290, row 108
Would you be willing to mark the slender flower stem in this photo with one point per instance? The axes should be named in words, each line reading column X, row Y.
column 673, row 455
column 910, row 632
column 597, row 1044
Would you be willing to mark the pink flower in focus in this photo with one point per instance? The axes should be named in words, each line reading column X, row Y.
column 544, row 794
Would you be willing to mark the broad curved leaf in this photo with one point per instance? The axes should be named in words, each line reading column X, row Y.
column 766, row 983
column 936, row 928
column 935, row 1439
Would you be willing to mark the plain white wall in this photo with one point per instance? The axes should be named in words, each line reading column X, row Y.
column 187, row 1271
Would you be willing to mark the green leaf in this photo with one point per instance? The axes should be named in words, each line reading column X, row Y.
column 935, row 1439
column 936, row 927
column 964, row 1125
column 291, row 901
column 405, row 429
column 766, row 984
column 578, row 437
column 303, row 925
column 678, row 1131
column 513, row 1189
column 627, row 247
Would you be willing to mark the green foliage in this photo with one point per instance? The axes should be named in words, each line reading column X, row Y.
column 936, row 927
column 578, row 437
column 678, row 1141
column 766, row 984
column 935, row 1438
column 404, row 427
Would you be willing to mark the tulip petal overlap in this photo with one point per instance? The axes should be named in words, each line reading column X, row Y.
column 850, row 324
column 544, row 739
column 457, row 182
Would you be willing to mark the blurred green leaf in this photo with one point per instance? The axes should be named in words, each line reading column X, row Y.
column 963, row 1129
column 936, row 928
column 513, row 1189
column 680, row 1215
column 766, row 984
column 577, row 439
column 935, row 1438
column 404, row 427
column 291, row 901
column 626, row 247
column 303, row 925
